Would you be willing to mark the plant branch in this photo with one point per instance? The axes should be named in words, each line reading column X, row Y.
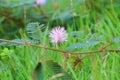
column 30, row 44
column 62, row 51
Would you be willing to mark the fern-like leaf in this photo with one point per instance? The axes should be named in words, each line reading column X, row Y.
column 56, row 69
column 76, row 46
column 117, row 39
column 34, row 30
column 91, row 42
column 76, row 33
column 87, row 43
column 17, row 40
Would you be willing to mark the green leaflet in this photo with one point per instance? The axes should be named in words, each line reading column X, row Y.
column 34, row 30
column 87, row 43
column 117, row 39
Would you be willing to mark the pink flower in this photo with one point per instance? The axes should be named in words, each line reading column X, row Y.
column 40, row 2
column 58, row 35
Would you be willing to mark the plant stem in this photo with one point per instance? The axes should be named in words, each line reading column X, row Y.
column 62, row 51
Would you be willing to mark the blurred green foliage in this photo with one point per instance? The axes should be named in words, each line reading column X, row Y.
column 89, row 23
column 15, row 14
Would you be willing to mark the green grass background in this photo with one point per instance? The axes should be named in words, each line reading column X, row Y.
column 98, row 19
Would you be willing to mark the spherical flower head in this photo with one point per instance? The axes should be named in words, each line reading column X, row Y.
column 58, row 35
column 40, row 2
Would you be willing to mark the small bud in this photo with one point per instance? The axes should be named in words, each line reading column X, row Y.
column 56, row 6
